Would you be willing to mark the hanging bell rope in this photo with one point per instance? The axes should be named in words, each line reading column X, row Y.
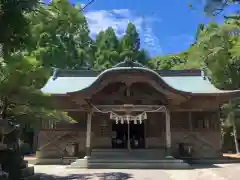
column 127, row 117
column 149, row 111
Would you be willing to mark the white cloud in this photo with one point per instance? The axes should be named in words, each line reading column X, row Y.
column 82, row 5
column 118, row 19
column 151, row 42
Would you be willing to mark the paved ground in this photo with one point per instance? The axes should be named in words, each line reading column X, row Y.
column 217, row 172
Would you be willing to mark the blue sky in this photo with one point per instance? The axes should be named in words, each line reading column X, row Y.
column 165, row 26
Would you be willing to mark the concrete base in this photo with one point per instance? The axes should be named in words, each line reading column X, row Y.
column 53, row 161
column 214, row 161
column 124, row 159
column 129, row 164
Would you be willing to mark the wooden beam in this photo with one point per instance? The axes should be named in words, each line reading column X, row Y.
column 133, row 108
column 118, row 108
column 193, row 110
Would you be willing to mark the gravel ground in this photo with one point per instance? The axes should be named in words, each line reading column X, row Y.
column 216, row 172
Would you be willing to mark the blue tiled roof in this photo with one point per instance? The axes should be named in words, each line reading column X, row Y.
column 191, row 83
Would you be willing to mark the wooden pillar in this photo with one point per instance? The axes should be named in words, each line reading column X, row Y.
column 190, row 121
column 88, row 135
column 35, row 139
column 128, row 137
column 168, row 134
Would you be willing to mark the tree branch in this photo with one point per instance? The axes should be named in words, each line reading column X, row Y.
column 90, row 2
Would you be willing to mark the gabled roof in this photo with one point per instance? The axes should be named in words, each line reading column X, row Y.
column 189, row 81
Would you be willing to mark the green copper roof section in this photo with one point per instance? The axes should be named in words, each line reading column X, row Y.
column 192, row 84
column 189, row 81
column 64, row 85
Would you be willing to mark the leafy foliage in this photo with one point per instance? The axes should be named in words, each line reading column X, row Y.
column 217, row 50
column 36, row 37
column 167, row 62
column 16, row 26
column 215, row 7
column 60, row 36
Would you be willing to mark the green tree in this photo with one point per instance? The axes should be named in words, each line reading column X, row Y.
column 217, row 49
column 61, row 36
column 14, row 25
column 130, row 46
column 215, row 7
column 107, row 53
column 166, row 62
column 232, row 120
column 143, row 57
column 131, row 39
column 22, row 75
column 130, row 42
column 21, row 80
column 199, row 30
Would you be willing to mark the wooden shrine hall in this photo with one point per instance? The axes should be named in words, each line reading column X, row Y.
column 130, row 114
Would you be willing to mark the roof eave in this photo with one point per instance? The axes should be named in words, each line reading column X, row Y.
column 220, row 93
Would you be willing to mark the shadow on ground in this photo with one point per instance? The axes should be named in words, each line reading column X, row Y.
column 88, row 176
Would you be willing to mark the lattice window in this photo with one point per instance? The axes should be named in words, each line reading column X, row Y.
column 214, row 121
column 180, row 120
column 128, row 92
column 198, row 120
column 205, row 120
column 48, row 124
column 102, row 131
column 206, row 123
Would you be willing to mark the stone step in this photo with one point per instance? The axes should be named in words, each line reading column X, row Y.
column 130, row 164
column 166, row 160
column 131, row 157
column 33, row 177
column 126, row 154
column 26, row 172
column 126, row 150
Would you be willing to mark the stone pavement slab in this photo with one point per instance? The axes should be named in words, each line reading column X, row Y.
column 218, row 172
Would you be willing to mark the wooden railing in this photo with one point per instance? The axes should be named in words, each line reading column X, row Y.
column 202, row 140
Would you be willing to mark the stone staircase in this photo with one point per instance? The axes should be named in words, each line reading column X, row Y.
column 124, row 159
column 126, row 154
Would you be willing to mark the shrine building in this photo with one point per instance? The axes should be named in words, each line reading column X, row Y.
column 134, row 112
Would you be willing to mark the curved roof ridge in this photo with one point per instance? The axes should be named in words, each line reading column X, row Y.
column 133, row 68
column 187, row 83
column 129, row 63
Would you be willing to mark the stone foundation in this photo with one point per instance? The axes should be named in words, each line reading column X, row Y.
column 204, row 140
column 54, row 143
column 204, row 144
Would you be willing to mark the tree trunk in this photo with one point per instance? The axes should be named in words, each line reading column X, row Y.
column 4, row 109
column 222, row 133
column 3, row 117
column 235, row 135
